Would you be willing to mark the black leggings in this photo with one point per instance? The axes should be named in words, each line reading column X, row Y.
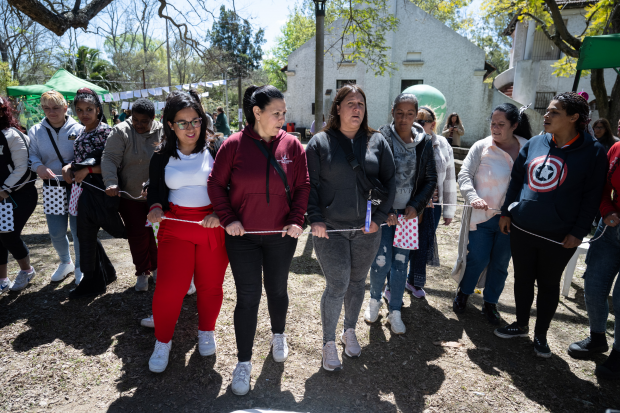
column 252, row 259
column 542, row 262
column 26, row 200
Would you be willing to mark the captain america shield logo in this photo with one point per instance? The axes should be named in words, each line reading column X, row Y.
column 543, row 173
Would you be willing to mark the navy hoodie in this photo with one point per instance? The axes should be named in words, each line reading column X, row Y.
column 557, row 191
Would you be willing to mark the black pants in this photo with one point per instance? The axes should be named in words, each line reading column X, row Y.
column 542, row 262
column 26, row 200
column 254, row 258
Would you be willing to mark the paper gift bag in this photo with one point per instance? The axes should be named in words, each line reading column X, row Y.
column 55, row 199
column 155, row 227
column 76, row 191
column 406, row 235
column 6, row 217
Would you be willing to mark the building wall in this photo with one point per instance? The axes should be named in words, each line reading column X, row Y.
column 451, row 63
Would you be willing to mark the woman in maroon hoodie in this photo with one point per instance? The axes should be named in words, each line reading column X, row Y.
column 249, row 194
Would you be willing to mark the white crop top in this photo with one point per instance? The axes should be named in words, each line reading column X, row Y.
column 187, row 179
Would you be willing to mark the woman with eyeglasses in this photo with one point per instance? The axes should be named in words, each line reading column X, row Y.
column 602, row 133
column 178, row 175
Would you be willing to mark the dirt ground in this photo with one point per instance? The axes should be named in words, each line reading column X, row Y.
column 91, row 356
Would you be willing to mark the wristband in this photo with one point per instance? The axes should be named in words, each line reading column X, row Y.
column 90, row 170
column 154, row 207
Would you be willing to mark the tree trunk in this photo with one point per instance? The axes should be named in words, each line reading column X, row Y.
column 4, row 51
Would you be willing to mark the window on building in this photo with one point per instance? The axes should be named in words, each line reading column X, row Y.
column 543, row 48
column 341, row 83
column 405, row 83
column 542, row 101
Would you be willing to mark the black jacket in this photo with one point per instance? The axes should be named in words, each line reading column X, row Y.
column 334, row 194
column 426, row 170
column 157, row 190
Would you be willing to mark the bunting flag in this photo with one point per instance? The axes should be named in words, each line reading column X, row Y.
column 204, row 95
column 179, row 87
column 157, row 91
column 136, row 94
column 165, row 89
column 151, row 92
column 116, row 96
column 144, row 93
column 126, row 95
column 186, row 86
column 108, row 97
column 125, row 105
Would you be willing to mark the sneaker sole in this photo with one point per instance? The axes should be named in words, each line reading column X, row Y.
column 501, row 335
column 61, row 279
column 371, row 321
column 274, row 357
column 141, row 289
column 239, row 393
column 346, row 352
column 543, row 355
column 157, row 370
column 147, row 324
column 585, row 355
column 394, row 331
column 205, row 354
column 334, row 369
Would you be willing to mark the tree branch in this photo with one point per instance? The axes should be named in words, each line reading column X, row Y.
column 560, row 27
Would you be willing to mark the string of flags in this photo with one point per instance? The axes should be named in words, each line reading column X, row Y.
column 158, row 91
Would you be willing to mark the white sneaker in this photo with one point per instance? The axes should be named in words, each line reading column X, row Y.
column 159, row 360
column 62, row 271
column 372, row 310
column 78, row 276
column 142, row 283
column 23, row 279
column 241, row 379
column 396, row 323
column 148, row 322
column 206, row 343
column 280, row 348
column 192, row 288
column 154, row 275
column 5, row 285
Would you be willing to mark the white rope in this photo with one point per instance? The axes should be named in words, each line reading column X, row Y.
column 556, row 242
column 103, row 190
column 96, row 187
column 463, row 205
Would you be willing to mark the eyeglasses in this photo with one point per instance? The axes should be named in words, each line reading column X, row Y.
column 599, row 127
column 422, row 122
column 183, row 124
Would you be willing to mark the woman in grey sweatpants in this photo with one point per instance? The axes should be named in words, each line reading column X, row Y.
column 337, row 202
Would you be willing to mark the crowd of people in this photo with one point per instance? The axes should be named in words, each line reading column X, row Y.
column 246, row 199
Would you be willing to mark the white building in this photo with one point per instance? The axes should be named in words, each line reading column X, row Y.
column 530, row 78
column 424, row 50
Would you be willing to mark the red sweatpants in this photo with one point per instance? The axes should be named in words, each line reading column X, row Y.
column 187, row 249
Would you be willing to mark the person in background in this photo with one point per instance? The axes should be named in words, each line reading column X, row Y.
column 484, row 251
column 125, row 167
column 603, row 134
column 60, row 130
column 555, row 191
column 178, row 173
column 221, row 122
column 603, row 264
column 337, row 203
column 445, row 193
column 15, row 189
column 123, row 116
column 249, row 194
column 453, row 130
column 312, row 129
column 86, row 167
column 115, row 117
column 416, row 179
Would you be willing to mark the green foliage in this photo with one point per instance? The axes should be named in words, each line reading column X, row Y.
column 6, row 79
column 87, row 64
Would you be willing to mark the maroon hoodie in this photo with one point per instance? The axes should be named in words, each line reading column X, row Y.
column 240, row 181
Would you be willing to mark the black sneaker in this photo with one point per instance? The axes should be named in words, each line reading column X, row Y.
column 459, row 305
column 610, row 369
column 589, row 347
column 541, row 347
column 511, row 331
column 490, row 310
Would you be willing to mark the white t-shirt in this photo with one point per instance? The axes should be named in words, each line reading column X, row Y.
column 187, row 179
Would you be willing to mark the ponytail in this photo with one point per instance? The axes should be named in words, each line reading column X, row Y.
column 259, row 96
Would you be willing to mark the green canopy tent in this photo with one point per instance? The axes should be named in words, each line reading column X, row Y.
column 598, row 52
column 62, row 81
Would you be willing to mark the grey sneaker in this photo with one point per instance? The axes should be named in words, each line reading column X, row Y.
column 241, row 379
column 206, row 343
column 23, row 279
column 331, row 361
column 142, row 282
column 372, row 311
column 280, row 348
column 351, row 346
column 5, row 285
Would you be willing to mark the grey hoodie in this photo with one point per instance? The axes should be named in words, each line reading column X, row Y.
column 127, row 155
column 41, row 149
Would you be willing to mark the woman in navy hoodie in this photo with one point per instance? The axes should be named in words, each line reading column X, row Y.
column 553, row 196
column 248, row 194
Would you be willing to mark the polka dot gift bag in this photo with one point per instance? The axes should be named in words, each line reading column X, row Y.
column 406, row 235
column 6, row 217
column 76, row 191
column 155, row 227
column 55, row 199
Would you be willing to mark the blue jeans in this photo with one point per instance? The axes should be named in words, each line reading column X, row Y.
column 437, row 215
column 603, row 262
column 488, row 248
column 57, row 226
column 393, row 260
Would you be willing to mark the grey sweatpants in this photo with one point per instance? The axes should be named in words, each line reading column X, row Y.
column 345, row 259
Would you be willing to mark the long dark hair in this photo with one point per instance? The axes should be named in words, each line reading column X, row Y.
column 7, row 115
column 515, row 115
column 608, row 138
column 87, row 95
column 175, row 102
column 259, row 96
column 458, row 119
column 334, row 118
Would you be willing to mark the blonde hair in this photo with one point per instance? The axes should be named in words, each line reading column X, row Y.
column 431, row 113
column 53, row 97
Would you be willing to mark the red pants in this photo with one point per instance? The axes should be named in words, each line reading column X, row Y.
column 141, row 240
column 187, row 249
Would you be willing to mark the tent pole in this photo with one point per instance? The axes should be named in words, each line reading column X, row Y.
column 576, row 83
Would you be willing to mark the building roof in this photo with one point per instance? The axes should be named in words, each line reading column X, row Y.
column 489, row 68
